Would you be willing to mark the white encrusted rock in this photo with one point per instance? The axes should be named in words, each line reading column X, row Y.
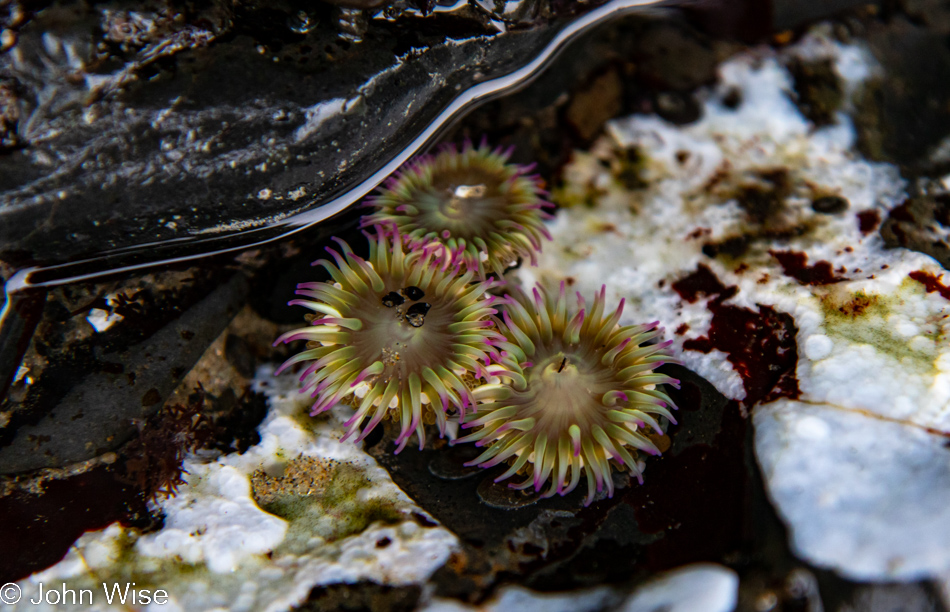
column 867, row 496
column 218, row 549
column 856, row 463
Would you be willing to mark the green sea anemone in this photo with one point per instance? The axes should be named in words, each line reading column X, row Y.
column 398, row 332
column 571, row 391
column 484, row 212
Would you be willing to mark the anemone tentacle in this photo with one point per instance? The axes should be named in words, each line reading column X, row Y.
column 471, row 205
column 569, row 391
column 396, row 334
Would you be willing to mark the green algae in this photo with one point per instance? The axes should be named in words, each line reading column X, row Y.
column 323, row 503
column 865, row 318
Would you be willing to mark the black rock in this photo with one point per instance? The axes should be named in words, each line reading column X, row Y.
column 143, row 135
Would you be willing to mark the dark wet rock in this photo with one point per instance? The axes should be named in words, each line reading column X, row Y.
column 236, row 419
column 450, row 463
column 930, row 13
column 829, row 205
column 274, row 287
column 613, row 553
column 40, row 524
column 691, row 507
column 672, row 56
column 500, row 495
column 22, row 317
column 902, row 115
column 361, row 597
column 97, row 414
column 66, row 348
column 676, row 107
column 705, row 404
column 581, row 85
column 278, row 270
column 818, row 91
column 791, row 14
column 213, row 408
column 921, row 223
column 702, row 501
column 9, row 114
column 754, row 20
column 595, row 103
column 359, row 4
column 312, row 112
column 451, row 502
column 745, row 20
column 240, row 355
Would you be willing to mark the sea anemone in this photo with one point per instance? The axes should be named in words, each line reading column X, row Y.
column 396, row 331
column 571, row 391
column 485, row 212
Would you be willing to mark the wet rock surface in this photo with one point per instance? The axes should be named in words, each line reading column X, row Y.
column 921, row 223
column 213, row 408
column 365, row 596
column 97, row 414
column 250, row 112
column 902, row 114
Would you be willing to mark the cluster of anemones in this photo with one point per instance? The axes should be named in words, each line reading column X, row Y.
column 413, row 333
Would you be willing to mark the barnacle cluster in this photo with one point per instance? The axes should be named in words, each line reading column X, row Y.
column 421, row 332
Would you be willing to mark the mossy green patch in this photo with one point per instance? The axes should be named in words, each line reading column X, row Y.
column 338, row 508
column 873, row 319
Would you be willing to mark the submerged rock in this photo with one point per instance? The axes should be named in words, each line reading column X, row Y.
column 260, row 119
column 99, row 412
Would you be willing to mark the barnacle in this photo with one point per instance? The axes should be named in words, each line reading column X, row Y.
column 571, row 391
column 397, row 331
column 485, row 212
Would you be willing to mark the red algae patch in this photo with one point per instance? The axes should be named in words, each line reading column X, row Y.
column 868, row 221
column 931, row 282
column 795, row 265
column 760, row 345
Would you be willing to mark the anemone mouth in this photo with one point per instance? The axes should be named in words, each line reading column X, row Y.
column 570, row 392
column 482, row 211
column 406, row 335
column 395, row 335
